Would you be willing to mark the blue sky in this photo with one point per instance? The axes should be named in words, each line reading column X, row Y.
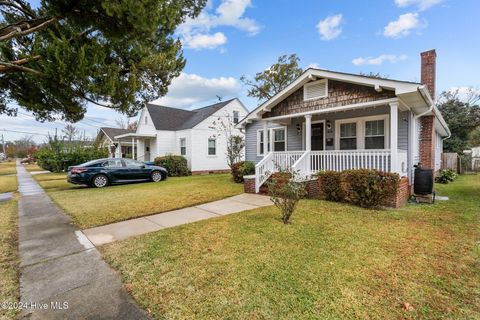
column 241, row 37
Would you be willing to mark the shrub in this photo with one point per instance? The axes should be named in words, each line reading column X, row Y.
column 369, row 188
column 446, row 176
column 242, row 168
column 176, row 165
column 330, row 185
column 285, row 192
column 56, row 156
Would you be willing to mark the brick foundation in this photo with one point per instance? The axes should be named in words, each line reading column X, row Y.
column 403, row 194
column 313, row 188
column 249, row 184
column 200, row 172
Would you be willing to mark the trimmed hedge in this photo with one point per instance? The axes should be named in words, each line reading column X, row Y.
column 330, row 185
column 176, row 165
column 242, row 168
column 362, row 187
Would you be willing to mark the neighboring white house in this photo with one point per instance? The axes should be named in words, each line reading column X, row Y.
column 327, row 120
column 106, row 138
column 164, row 130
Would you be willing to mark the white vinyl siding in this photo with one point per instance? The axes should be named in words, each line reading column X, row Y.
column 316, row 89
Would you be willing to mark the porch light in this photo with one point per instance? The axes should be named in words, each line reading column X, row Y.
column 329, row 125
column 299, row 129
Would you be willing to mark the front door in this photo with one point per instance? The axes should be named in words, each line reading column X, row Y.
column 317, row 136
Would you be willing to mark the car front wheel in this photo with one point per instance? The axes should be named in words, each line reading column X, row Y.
column 100, row 181
column 157, row 176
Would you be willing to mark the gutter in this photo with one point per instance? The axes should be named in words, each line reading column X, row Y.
column 428, row 100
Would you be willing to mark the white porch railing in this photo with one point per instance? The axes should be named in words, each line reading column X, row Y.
column 272, row 162
column 307, row 163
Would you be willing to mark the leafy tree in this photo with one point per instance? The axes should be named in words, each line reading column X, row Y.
column 273, row 80
column 474, row 139
column 462, row 115
column 117, row 54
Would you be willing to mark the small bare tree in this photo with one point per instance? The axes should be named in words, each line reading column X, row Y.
column 235, row 143
column 70, row 132
column 126, row 123
column 286, row 190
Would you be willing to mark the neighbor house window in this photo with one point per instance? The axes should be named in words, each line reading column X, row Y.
column 212, row 147
column 235, row 117
column 183, row 146
column 279, row 139
column 348, row 136
column 375, row 134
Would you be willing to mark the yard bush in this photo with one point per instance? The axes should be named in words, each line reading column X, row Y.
column 445, row 176
column 57, row 156
column 330, row 185
column 369, row 188
column 241, row 169
column 285, row 192
column 176, row 165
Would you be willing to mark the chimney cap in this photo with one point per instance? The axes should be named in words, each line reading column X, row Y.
column 429, row 52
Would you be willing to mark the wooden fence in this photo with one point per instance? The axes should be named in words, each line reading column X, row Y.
column 450, row 161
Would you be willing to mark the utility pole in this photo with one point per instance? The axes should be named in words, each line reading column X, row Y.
column 3, row 144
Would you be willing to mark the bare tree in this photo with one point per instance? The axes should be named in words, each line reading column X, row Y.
column 126, row 123
column 70, row 132
column 235, row 143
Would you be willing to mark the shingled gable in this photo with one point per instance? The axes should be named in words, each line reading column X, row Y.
column 174, row 119
column 112, row 132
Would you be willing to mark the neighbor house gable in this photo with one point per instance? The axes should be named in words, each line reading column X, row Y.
column 226, row 109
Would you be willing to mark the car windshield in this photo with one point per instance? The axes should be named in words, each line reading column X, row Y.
column 133, row 163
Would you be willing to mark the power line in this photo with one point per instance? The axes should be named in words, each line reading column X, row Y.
column 25, row 132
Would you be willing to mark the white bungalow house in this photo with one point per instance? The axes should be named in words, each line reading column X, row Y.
column 191, row 133
column 327, row 120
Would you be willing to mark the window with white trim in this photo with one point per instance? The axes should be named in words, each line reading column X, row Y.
column 260, row 142
column 348, row 136
column 279, row 141
column 236, row 117
column 212, row 146
column 183, row 146
column 375, row 134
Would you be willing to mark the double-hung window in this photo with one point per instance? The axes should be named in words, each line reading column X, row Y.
column 348, row 136
column 279, row 139
column 212, row 147
column 375, row 134
column 236, row 117
column 260, row 142
column 183, row 146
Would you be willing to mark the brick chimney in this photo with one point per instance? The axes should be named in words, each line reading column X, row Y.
column 429, row 61
column 427, row 123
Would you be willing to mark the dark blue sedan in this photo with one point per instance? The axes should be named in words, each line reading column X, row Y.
column 103, row 172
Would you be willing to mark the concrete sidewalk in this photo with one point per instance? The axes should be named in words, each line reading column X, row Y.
column 63, row 276
column 134, row 227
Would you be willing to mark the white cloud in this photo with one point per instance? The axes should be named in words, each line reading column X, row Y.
column 330, row 27
column 206, row 41
column 402, row 26
column 466, row 93
column 229, row 13
column 361, row 61
column 191, row 89
column 420, row 4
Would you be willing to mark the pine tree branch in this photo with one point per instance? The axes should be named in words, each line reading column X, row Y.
column 25, row 27
column 18, row 7
column 7, row 67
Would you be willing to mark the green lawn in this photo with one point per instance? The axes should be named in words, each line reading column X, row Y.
column 33, row 167
column 9, row 261
column 8, row 167
column 334, row 261
column 8, row 183
column 91, row 207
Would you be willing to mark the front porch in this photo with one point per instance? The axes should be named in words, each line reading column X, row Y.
column 138, row 146
column 373, row 138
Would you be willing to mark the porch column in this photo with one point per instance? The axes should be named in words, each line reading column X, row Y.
column 308, row 132
column 394, row 137
column 265, row 137
column 133, row 148
column 119, row 149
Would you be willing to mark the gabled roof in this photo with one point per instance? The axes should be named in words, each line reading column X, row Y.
column 173, row 119
column 112, row 132
column 414, row 94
